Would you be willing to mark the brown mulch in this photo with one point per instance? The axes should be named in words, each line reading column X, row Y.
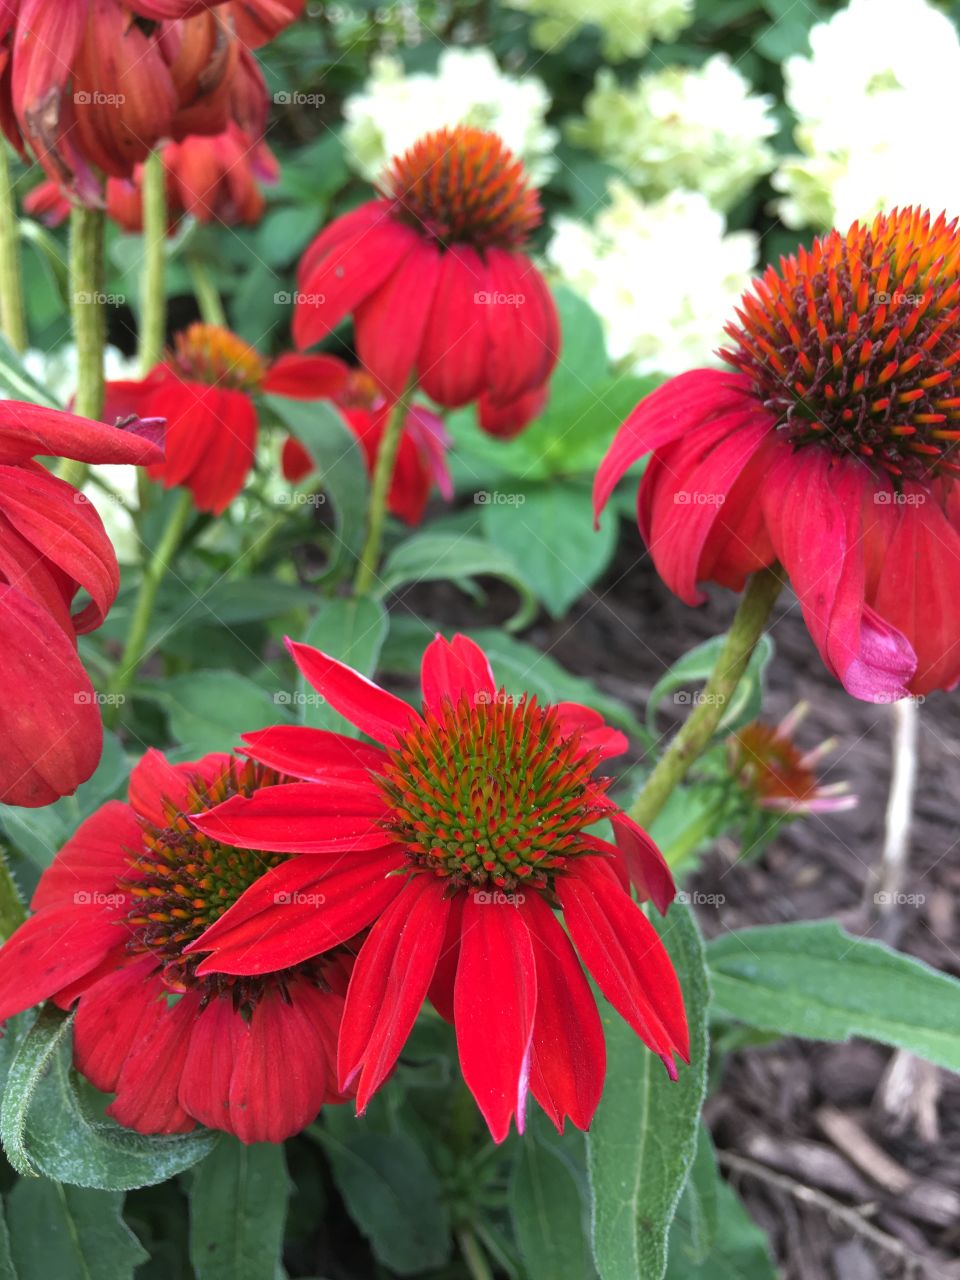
column 847, row 1155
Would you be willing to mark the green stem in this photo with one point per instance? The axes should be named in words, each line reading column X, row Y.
column 473, row 1255
column 379, row 492
column 154, row 572
column 12, row 914
column 89, row 320
column 694, row 736
column 153, row 298
column 12, row 313
column 206, row 293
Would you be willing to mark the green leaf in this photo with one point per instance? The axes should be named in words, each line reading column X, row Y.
column 353, row 631
column 548, row 529
column 34, row 1055
column 69, row 1233
column 343, row 473
column 231, row 604
column 696, row 666
column 393, row 1196
column 698, row 1205
column 7, row 1271
column 238, row 1211
column 814, row 980
column 209, row 710
column 427, row 557
column 64, row 1139
column 643, row 1137
column 549, row 1215
column 17, row 384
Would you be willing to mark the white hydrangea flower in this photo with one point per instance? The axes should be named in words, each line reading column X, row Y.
column 697, row 128
column 629, row 27
column 663, row 277
column 872, row 102
column 395, row 109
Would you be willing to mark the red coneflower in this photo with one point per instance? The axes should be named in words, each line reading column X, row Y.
column 436, row 279
column 52, row 546
column 205, row 389
column 214, row 179
column 421, row 458
column 456, row 840
column 832, row 449
column 112, row 917
column 95, row 84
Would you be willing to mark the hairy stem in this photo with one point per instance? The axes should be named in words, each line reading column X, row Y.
column 379, row 493
column 153, row 297
column 12, row 313
column 89, row 320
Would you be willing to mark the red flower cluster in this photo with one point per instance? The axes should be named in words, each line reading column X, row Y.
column 112, row 919
column 832, row 449
column 437, row 283
column 421, row 458
column 454, row 842
column 52, row 546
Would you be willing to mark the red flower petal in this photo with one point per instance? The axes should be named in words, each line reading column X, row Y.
column 444, row 979
column 154, row 779
column 569, row 1057
column 452, row 361
column 375, row 712
column 335, row 815
column 646, row 865
column 150, row 1077
column 390, row 980
column 307, row 377
column 597, row 734
column 298, row 910
column 311, row 754
column 677, row 407
column 524, row 334
column 390, row 323
column 53, row 949
column 92, row 861
column 115, row 1014
column 450, row 668
column 494, row 1003
column 621, row 949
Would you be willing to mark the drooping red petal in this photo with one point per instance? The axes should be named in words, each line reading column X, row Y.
column 335, row 814
column 30, row 431
column 450, row 668
column 390, row 981
column 299, row 377
column 445, row 977
column 621, row 949
column 522, row 327
column 569, row 1057
column 597, row 735
column 298, row 910
column 680, row 405
column 114, row 1015
column 646, row 865
column 311, row 754
column 390, row 323
column 149, row 1080
column 53, row 949
column 375, row 712
column 495, row 1000
column 452, row 360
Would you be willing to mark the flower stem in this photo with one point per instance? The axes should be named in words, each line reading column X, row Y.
column 89, row 321
column 694, row 736
column 473, row 1255
column 379, row 492
column 12, row 914
column 135, row 650
column 153, row 298
column 12, row 314
column 206, row 293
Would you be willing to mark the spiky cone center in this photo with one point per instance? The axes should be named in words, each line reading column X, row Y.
column 463, row 186
column 216, row 357
column 182, row 881
column 769, row 768
column 490, row 793
column 855, row 343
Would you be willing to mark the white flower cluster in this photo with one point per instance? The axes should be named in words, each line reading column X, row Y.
column 663, row 276
column 700, row 129
column 875, row 103
column 628, row 27
column 395, row 109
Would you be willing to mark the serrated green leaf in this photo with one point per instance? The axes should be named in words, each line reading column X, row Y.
column 816, row 981
column 643, row 1137
column 69, row 1233
column 238, row 1211
column 209, row 710
column 548, row 530
column 353, row 631
column 549, row 1215
column 427, row 557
